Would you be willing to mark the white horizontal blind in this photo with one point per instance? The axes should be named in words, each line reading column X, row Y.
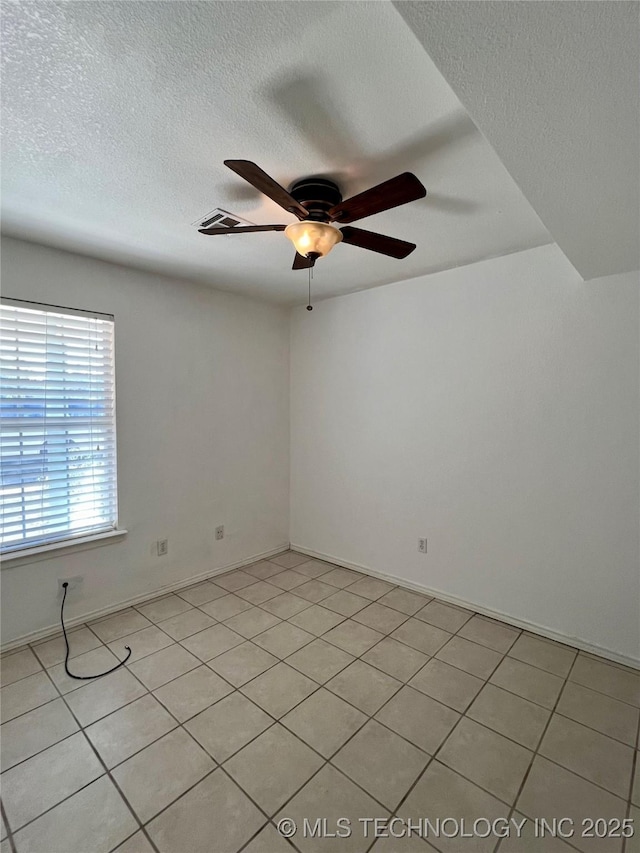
column 57, row 419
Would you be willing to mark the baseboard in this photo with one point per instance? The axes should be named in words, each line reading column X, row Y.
column 52, row 630
column 532, row 627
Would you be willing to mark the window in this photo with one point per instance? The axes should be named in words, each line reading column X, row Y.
column 57, row 419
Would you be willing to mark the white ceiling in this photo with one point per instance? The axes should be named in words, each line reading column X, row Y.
column 555, row 89
column 117, row 117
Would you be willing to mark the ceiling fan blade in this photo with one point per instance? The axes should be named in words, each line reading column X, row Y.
column 263, row 182
column 399, row 190
column 377, row 242
column 302, row 263
column 243, row 229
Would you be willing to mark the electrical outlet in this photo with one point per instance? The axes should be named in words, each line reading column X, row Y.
column 220, row 532
column 162, row 547
column 73, row 582
column 422, row 546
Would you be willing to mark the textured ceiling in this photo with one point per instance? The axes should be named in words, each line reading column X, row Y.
column 117, row 117
column 554, row 87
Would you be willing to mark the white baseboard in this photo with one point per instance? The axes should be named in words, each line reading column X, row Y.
column 52, row 630
column 532, row 627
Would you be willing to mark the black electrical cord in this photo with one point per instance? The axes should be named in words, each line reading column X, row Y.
column 65, row 586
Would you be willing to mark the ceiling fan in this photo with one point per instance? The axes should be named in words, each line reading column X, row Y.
column 317, row 202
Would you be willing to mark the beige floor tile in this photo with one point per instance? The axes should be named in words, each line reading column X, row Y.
column 95, row 819
column 314, row 568
column 130, row 729
column 404, row 600
column 227, row 726
column 90, row 663
column 18, row 665
column 315, row 590
column 283, row 640
column 52, row 651
column 26, row 694
column 550, row 792
column 442, row 793
column 138, row 843
column 449, row 685
column 363, row 686
column 232, row 581
column 34, row 731
column 382, row 763
column 635, row 794
column 316, row 620
column 588, row 753
column 142, row 643
column 528, row 681
column 619, row 683
column 192, row 692
column 324, row 721
column 510, row 715
column 319, row 660
column 153, row 778
column 404, row 844
column 163, row 666
column 262, row 570
column 288, row 580
column 119, row 625
column 633, row 844
column 214, row 817
column 371, row 588
column 421, row 636
column 252, row 622
column 256, row 593
column 599, row 711
column 380, row 618
column 490, row 760
column 212, row 642
column 278, row 689
column 161, row 609
column 286, row 605
column 242, row 663
column 201, row 593
column 545, row 654
column 289, row 559
column 352, row 637
column 330, row 796
column 99, row 698
column 185, row 624
column 45, row 780
column 473, row 658
column 395, row 658
column 345, row 603
column 488, row 632
column 273, row 767
column 268, row 840
column 418, row 718
column 445, row 616
column 226, row 607
column 340, row 577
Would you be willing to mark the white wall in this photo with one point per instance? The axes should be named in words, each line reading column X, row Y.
column 494, row 409
column 203, row 432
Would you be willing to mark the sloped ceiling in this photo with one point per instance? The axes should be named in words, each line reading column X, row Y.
column 117, row 117
column 554, row 87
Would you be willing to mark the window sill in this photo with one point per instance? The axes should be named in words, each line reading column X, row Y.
column 44, row 551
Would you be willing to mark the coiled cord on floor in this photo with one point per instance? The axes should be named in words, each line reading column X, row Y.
column 65, row 586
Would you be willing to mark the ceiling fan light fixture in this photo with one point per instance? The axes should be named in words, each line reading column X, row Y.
column 313, row 238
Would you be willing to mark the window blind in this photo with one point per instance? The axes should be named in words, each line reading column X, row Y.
column 57, row 422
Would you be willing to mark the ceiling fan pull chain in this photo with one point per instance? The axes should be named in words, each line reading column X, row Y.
column 309, row 305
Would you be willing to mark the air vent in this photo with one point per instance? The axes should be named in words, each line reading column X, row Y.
column 222, row 218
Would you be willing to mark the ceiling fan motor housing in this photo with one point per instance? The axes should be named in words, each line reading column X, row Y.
column 318, row 195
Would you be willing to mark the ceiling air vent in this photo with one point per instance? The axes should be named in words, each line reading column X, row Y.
column 221, row 218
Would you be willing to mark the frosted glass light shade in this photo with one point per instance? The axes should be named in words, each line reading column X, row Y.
column 309, row 237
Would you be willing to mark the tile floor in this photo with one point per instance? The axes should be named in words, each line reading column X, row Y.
column 294, row 688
